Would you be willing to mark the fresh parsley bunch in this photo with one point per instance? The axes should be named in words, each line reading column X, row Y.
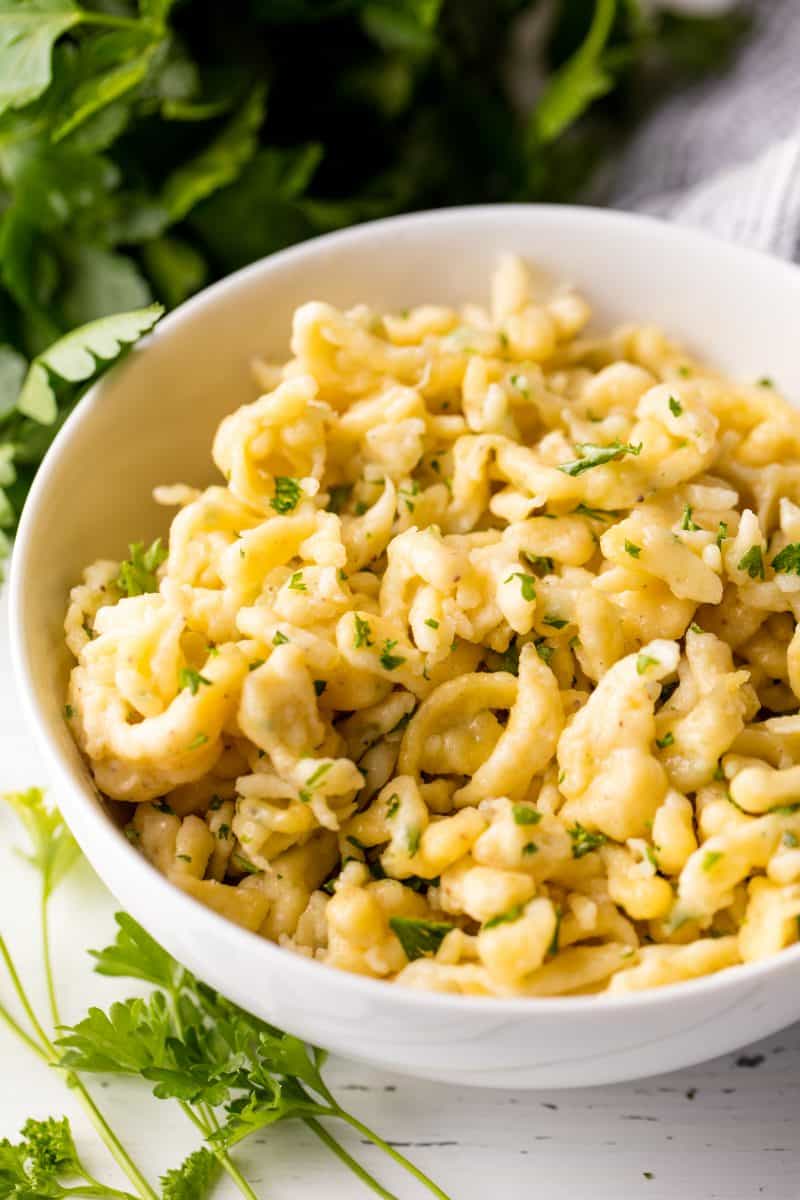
column 149, row 146
column 231, row 1073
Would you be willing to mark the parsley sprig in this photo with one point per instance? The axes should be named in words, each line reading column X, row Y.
column 590, row 456
column 231, row 1073
column 137, row 575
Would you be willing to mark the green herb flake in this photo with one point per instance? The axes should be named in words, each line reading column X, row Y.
column 667, row 740
column 544, row 651
column 363, row 637
column 505, row 918
column 526, row 584
column 595, row 514
column 584, row 841
column 432, row 623
column 710, row 859
column 590, row 456
column 644, row 662
column 753, row 563
column 540, row 564
column 197, row 741
column 191, row 679
column 766, row 382
column 319, row 686
column 296, row 582
column 687, row 523
column 137, row 575
column 632, row 549
column 790, row 840
column 524, row 814
column 244, row 864
column 695, row 628
column 530, row 848
column 675, row 406
column 259, row 662
column 554, row 622
column 419, row 937
column 787, row 561
column 412, row 840
column 69, row 712
column 314, row 780
column 392, row 806
column 287, row 494
column 722, row 533
column 278, row 639
column 389, row 661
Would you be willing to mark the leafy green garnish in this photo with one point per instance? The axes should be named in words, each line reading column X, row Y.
column 505, row 918
column 686, row 521
column 363, row 636
column 644, row 662
column 590, row 456
column 710, row 859
column 287, row 494
column 584, row 841
column 524, row 814
column 753, row 563
column 389, row 661
column 419, row 937
column 632, row 549
column 787, row 560
column 191, row 679
column 526, row 584
column 667, row 740
column 137, row 575
column 675, row 406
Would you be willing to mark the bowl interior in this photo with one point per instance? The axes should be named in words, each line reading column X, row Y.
column 152, row 420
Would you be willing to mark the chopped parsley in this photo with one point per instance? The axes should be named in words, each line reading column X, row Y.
column 509, row 659
column 675, row 406
column 526, row 584
column 338, row 497
column 687, row 522
column 644, row 662
column 163, row 807
column 553, row 947
column 506, row 918
column 363, row 633
column 319, row 686
column 69, row 712
column 518, row 382
column 695, row 628
column 279, row 639
column 198, row 740
column 530, row 848
column 259, row 662
column 224, row 832
column 684, row 371
column 790, row 839
column 584, row 841
column 389, row 661
column 138, row 574
column 313, row 780
column 245, row 865
column 590, row 456
column 544, row 651
column 632, row 549
column 766, row 382
column 419, row 937
column 594, row 514
column 392, row 805
column 184, row 857
column 191, row 679
column 540, row 564
column 412, row 841
column 711, row 859
column 722, row 532
column 431, row 623
column 287, row 494
column 785, row 810
column 787, row 561
column 555, row 622
column 753, row 563
column 215, row 803
column 296, row 582
column 525, row 815
column 667, row 740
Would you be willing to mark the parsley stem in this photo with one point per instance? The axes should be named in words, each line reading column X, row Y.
column 399, row 1158
column 205, row 1126
column 48, row 1052
column 44, row 926
column 16, row 1029
column 338, row 1149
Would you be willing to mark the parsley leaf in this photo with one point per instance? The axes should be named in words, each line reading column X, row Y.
column 753, row 563
column 78, row 356
column 524, row 814
column 287, row 494
column 363, row 633
column 583, row 841
column 419, row 937
column 28, row 32
column 191, row 679
column 675, row 406
column 138, row 574
column 590, row 456
column 505, row 918
column 193, row 1179
column 53, row 850
column 526, row 584
column 632, row 549
column 644, row 662
column 687, row 522
column 787, row 560
column 389, row 661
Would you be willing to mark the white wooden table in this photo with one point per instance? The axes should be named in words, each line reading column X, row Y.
column 727, row 1129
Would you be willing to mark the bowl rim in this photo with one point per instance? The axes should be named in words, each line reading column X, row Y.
column 273, row 957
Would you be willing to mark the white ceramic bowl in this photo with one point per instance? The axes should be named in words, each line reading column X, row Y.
column 151, row 421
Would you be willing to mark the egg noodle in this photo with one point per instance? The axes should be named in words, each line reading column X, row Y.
column 480, row 673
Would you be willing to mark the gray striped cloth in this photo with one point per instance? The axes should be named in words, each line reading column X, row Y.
column 725, row 155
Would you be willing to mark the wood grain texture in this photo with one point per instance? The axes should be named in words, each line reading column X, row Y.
column 726, row 1130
